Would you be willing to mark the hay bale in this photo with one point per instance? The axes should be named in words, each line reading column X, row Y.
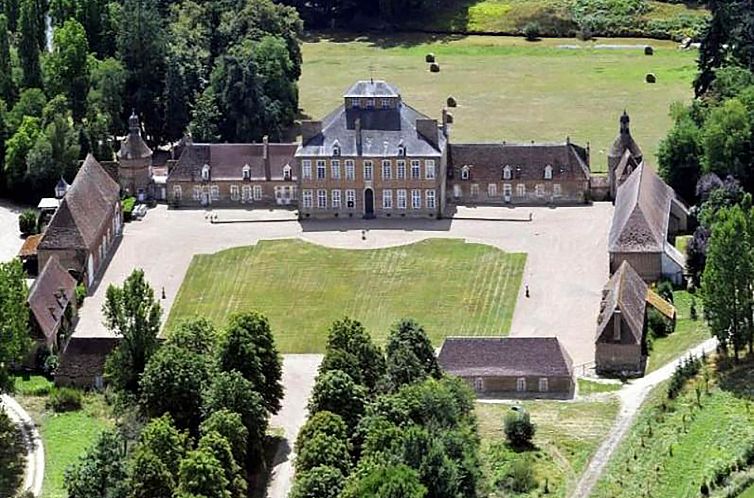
column 452, row 101
column 650, row 78
column 434, row 67
column 648, row 50
column 429, row 58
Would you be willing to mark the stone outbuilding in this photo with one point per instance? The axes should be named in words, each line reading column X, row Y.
column 82, row 362
column 647, row 217
column 52, row 302
column 510, row 367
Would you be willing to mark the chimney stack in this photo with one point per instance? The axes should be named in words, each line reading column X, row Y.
column 357, row 127
column 266, row 158
column 265, row 146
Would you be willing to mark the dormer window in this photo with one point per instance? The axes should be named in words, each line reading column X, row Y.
column 507, row 173
column 548, row 172
column 287, row 173
column 247, row 172
column 336, row 149
column 370, row 103
column 402, row 150
column 205, row 172
column 465, row 173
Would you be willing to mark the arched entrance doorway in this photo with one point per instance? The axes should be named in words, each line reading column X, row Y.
column 368, row 203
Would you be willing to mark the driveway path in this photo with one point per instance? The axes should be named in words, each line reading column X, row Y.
column 631, row 398
column 10, row 237
column 35, row 456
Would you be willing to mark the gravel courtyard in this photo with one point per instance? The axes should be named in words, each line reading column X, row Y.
column 10, row 237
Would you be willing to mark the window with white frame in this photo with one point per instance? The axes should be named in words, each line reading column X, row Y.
column 548, row 172
column 416, row 199
column 335, row 195
column 214, row 191
column 368, row 170
column 246, row 193
column 177, row 192
column 355, row 103
column 335, row 169
column 306, row 169
column 336, row 149
column 322, row 199
column 387, row 170
column 205, row 172
column 457, row 191
column 521, row 190
column 507, row 190
column 400, row 169
column 307, row 198
column 257, row 192
column 350, row 171
column 474, row 190
column 321, row 170
column 385, row 103
column 246, row 172
column 350, row 198
column 401, row 196
column 415, row 170
column 430, row 198
column 465, row 173
column 544, row 385
column 401, row 150
column 556, row 191
column 387, row 199
column 429, row 169
column 287, row 173
column 521, row 384
column 370, row 103
column 234, row 194
column 492, row 190
column 539, row 190
column 479, row 384
column 507, row 173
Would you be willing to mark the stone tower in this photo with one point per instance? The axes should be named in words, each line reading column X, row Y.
column 135, row 161
column 624, row 156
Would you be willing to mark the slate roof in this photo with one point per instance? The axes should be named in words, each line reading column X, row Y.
column 642, row 211
column 626, row 292
column 505, row 357
column 527, row 161
column 624, row 141
column 50, row 295
column 227, row 161
column 382, row 132
column 373, row 88
column 84, row 211
column 133, row 146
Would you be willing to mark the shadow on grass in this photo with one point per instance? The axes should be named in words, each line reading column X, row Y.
column 737, row 377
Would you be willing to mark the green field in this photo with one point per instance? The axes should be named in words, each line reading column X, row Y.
column 510, row 89
column 673, row 448
column 688, row 333
column 567, row 435
column 447, row 285
column 589, row 387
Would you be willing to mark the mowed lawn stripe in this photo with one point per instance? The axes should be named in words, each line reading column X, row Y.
column 450, row 286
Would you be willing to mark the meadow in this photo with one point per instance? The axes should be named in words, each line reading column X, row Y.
column 447, row 285
column 508, row 88
column 688, row 333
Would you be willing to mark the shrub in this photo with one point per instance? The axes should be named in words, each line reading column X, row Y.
column 27, row 222
column 685, row 370
column 532, row 31
column 12, row 452
column 128, row 205
column 519, row 429
column 692, row 310
column 521, row 476
column 80, row 294
column 658, row 325
column 665, row 290
column 64, row 399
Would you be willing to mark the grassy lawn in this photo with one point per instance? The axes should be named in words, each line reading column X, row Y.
column 587, row 387
column 447, row 285
column 510, row 89
column 671, row 451
column 567, row 436
column 65, row 435
column 688, row 333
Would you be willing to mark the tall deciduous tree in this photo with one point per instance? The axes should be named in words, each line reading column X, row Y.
column 132, row 313
column 679, row 155
column 67, row 68
column 7, row 88
column 16, row 151
column 727, row 143
column 202, row 475
column 410, row 356
column 101, row 471
column 385, row 481
column 14, row 319
column 336, row 392
column 163, row 439
column 350, row 348
column 28, row 46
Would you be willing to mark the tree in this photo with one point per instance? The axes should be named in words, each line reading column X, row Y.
column 247, row 346
column 17, row 149
column 202, row 475
column 715, row 39
column 67, row 68
column 221, row 449
column 322, row 422
column 679, row 156
column 205, row 118
column 385, row 481
column 28, row 45
column 161, row 438
column 101, row 471
column 12, row 453
column 10, row 9
column 172, row 382
column 319, row 482
column 350, row 348
column 56, row 150
column 108, row 81
column 518, row 428
column 132, row 313
column 726, row 137
column 149, row 477
column 196, row 335
column 230, row 426
column 727, row 280
column 7, row 87
column 31, row 103
column 14, row 320
column 323, row 449
column 409, row 352
column 336, row 392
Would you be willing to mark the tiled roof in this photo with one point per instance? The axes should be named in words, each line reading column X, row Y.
column 642, row 210
column 504, row 357
column 626, row 292
column 382, row 132
column 373, row 88
column 657, row 302
column 49, row 296
column 527, row 161
column 30, row 246
column 227, row 161
column 86, row 208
